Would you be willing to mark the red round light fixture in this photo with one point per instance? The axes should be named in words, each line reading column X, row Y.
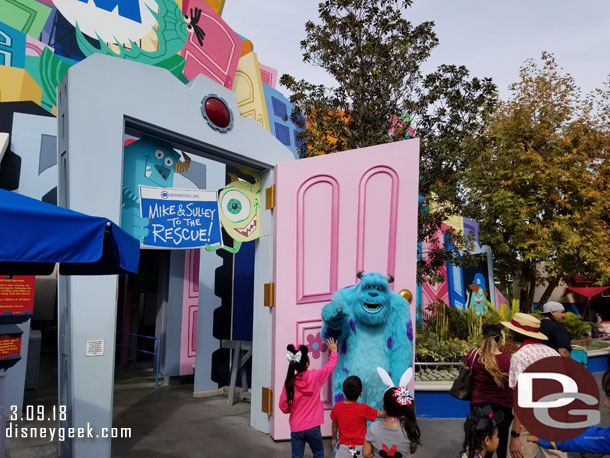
column 216, row 111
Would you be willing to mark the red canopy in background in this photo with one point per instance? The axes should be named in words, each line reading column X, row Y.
column 588, row 291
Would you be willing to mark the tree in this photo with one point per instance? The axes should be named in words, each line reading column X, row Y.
column 540, row 187
column 450, row 109
column 374, row 54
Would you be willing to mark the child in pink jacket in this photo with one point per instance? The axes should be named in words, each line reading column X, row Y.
column 301, row 399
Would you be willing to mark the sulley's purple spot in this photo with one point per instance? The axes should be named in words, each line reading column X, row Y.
column 389, row 342
column 409, row 331
column 339, row 397
column 346, row 370
column 344, row 348
column 352, row 325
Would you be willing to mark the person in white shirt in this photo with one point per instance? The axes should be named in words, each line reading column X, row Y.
column 526, row 330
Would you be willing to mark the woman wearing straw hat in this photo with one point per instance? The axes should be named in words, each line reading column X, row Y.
column 526, row 330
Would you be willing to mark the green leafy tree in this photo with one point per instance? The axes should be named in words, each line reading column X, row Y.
column 540, row 185
column 374, row 54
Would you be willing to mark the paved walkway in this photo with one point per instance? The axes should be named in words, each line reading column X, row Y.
column 168, row 422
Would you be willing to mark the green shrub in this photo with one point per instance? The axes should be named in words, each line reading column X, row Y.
column 575, row 325
column 598, row 345
column 429, row 348
column 458, row 323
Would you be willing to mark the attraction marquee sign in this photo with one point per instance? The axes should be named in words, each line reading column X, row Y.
column 180, row 218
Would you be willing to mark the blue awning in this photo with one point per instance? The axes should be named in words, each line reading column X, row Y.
column 34, row 234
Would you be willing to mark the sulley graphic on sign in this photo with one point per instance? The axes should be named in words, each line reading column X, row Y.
column 373, row 328
column 148, row 162
column 239, row 205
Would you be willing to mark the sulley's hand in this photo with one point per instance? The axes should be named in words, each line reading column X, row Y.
column 334, row 314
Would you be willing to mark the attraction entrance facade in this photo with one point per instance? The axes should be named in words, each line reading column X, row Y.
column 322, row 220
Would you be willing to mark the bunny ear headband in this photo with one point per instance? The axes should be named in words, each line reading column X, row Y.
column 401, row 393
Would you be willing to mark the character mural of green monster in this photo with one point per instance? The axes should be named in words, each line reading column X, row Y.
column 239, row 210
column 172, row 35
column 477, row 299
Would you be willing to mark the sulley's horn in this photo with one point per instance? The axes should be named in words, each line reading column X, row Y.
column 183, row 166
column 390, row 278
column 360, row 274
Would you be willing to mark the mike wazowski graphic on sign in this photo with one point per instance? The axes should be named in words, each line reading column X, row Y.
column 239, row 211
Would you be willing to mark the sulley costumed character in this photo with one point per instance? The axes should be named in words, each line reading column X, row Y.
column 372, row 325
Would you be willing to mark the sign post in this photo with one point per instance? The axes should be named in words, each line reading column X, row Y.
column 16, row 305
column 10, row 354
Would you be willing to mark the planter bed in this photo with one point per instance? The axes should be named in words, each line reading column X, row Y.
column 432, row 398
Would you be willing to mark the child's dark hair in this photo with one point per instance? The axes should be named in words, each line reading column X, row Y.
column 406, row 413
column 295, row 368
column 480, row 423
column 352, row 387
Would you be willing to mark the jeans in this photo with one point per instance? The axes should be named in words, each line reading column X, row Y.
column 311, row 436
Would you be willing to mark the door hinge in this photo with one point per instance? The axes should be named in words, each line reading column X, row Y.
column 269, row 300
column 267, row 402
column 270, row 197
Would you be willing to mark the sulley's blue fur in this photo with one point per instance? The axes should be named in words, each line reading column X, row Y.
column 372, row 325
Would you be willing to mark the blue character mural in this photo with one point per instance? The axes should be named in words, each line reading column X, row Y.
column 147, row 162
column 373, row 328
column 477, row 294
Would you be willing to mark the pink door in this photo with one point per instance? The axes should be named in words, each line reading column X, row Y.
column 190, row 306
column 218, row 56
column 335, row 215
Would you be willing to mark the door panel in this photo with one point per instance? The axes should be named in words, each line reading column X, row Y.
column 335, row 215
column 218, row 56
column 248, row 90
column 190, row 306
column 377, row 220
column 317, row 237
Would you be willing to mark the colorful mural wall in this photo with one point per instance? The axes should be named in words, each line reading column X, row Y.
column 41, row 39
column 472, row 286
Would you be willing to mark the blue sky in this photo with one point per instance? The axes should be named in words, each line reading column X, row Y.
column 491, row 37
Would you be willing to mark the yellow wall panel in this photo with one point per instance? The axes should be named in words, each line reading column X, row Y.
column 248, row 90
column 16, row 85
column 456, row 222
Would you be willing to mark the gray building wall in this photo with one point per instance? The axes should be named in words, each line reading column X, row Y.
column 97, row 99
